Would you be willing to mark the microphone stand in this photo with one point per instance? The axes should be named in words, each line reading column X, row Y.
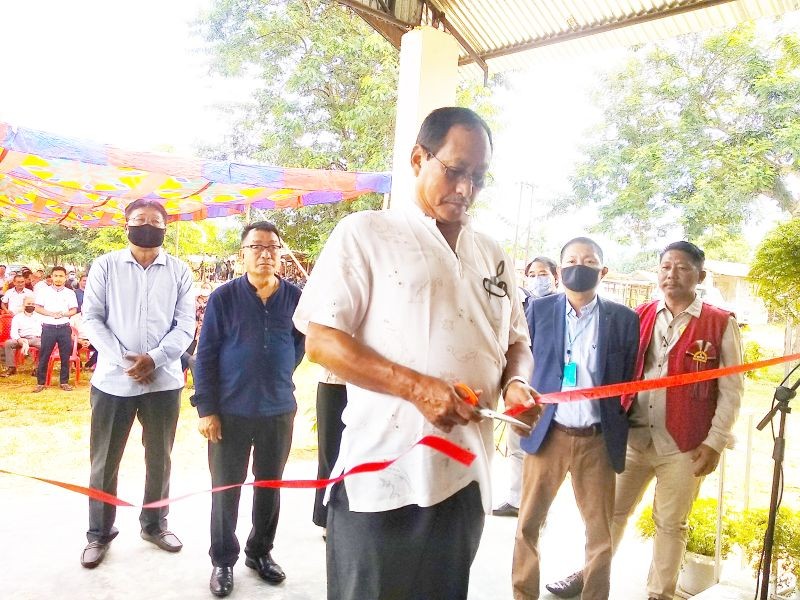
column 782, row 396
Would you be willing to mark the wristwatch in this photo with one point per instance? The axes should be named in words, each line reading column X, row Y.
column 510, row 381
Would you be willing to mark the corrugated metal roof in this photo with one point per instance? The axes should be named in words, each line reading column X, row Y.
column 506, row 35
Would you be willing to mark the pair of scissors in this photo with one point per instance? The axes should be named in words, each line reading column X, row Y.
column 472, row 398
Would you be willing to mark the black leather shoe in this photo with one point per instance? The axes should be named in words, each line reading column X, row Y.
column 221, row 583
column 567, row 588
column 267, row 569
column 166, row 540
column 93, row 554
column 506, row 510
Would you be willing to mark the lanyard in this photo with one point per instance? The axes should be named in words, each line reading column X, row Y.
column 570, row 339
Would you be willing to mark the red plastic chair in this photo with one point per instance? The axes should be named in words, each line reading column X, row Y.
column 73, row 359
column 19, row 357
column 5, row 327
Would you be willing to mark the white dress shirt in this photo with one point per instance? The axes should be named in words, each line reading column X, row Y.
column 54, row 299
column 390, row 279
column 24, row 325
column 15, row 299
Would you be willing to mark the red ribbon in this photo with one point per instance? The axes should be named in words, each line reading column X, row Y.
column 632, row 387
column 446, row 447
column 442, row 445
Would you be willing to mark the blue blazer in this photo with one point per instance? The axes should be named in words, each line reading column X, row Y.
column 617, row 345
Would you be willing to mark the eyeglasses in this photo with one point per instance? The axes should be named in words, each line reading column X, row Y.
column 259, row 249
column 138, row 221
column 454, row 175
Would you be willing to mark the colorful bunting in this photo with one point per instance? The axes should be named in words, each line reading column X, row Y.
column 50, row 179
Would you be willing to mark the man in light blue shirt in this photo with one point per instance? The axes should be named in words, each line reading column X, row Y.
column 138, row 308
column 579, row 340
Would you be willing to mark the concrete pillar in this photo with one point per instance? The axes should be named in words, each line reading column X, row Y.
column 428, row 80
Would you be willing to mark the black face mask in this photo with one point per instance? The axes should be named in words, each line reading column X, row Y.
column 579, row 278
column 30, row 309
column 146, row 236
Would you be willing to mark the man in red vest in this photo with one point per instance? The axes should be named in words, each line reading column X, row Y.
column 676, row 434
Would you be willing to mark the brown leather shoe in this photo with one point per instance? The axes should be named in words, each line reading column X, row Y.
column 93, row 554
column 66, row 387
column 38, row 389
column 166, row 540
column 567, row 588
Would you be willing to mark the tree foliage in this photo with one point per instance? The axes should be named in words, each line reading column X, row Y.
column 326, row 99
column 776, row 270
column 696, row 130
column 50, row 245
column 47, row 245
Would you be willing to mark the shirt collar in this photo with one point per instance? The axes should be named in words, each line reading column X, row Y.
column 588, row 309
column 161, row 259
column 415, row 210
column 693, row 309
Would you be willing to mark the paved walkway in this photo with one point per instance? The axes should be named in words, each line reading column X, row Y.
column 42, row 533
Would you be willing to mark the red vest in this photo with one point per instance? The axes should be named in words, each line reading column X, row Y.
column 690, row 408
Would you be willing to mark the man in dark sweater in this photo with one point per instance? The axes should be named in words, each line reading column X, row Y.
column 244, row 394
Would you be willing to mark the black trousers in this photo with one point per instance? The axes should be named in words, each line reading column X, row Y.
column 52, row 336
column 270, row 439
column 331, row 400
column 410, row 553
column 112, row 419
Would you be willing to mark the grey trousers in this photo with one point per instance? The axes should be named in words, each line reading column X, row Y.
column 410, row 553
column 11, row 346
column 112, row 419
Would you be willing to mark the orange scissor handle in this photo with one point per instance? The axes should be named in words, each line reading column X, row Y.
column 471, row 397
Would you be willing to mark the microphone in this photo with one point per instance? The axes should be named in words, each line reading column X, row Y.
column 784, row 394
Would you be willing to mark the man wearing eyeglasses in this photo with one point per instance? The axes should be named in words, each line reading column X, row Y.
column 247, row 353
column 138, row 310
column 403, row 304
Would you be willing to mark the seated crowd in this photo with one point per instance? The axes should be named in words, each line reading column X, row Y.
column 44, row 312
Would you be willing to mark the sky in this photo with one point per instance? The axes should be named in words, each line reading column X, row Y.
column 125, row 73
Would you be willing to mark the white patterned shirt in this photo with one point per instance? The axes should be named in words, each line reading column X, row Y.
column 390, row 279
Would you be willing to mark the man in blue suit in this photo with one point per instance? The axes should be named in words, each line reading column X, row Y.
column 579, row 340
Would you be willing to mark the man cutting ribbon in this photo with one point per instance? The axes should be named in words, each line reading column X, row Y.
column 403, row 304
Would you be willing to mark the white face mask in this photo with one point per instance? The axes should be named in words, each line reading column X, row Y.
column 541, row 285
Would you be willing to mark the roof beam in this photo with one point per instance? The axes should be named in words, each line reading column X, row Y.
column 651, row 15
column 364, row 10
column 466, row 45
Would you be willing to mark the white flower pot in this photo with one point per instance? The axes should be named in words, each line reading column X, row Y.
column 697, row 574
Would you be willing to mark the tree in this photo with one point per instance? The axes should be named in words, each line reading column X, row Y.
column 48, row 245
column 327, row 97
column 326, row 100
column 776, row 271
column 695, row 131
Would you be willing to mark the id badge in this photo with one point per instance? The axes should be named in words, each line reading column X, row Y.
column 571, row 375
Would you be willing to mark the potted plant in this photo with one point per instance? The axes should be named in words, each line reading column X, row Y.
column 785, row 568
column 697, row 572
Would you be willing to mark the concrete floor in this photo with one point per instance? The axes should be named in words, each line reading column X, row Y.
column 42, row 533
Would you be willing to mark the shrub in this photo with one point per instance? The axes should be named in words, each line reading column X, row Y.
column 702, row 527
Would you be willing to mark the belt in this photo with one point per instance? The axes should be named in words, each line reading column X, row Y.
column 579, row 431
column 56, row 325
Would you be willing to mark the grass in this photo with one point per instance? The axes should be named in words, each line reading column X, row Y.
column 47, row 434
